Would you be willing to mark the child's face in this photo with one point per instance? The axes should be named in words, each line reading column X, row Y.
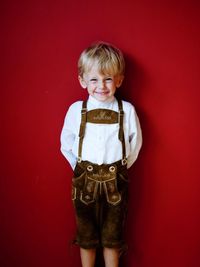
column 101, row 86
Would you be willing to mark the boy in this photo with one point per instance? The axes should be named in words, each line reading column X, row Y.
column 101, row 139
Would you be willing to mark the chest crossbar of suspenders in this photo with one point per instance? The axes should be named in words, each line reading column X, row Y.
column 102, row 116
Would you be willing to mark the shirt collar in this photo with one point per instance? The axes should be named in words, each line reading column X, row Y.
column 101, row 104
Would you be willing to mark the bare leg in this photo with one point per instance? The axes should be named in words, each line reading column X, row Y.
column 88, row 257
column 111, row 257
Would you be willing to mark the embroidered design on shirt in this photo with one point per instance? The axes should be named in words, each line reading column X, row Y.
column 106, row 116
column 102, row 116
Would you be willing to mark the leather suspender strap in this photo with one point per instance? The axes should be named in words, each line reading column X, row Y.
column 121, row 130
column 82, row 128
column 120, row 135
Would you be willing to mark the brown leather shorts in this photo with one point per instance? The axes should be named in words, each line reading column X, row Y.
column 99, row 194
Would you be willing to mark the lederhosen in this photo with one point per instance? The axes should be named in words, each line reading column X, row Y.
column 99, row 192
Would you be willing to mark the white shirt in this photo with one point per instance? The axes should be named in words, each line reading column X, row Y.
column 101, row 143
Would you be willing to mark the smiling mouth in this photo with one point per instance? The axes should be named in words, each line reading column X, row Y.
column 102, row 93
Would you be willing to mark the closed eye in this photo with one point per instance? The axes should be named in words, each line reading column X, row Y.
column 108, row 80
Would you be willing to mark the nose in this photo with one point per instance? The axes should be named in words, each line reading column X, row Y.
column 101, row 84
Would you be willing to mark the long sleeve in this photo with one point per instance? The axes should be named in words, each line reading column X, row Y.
column 135, row 137
column 69, row 135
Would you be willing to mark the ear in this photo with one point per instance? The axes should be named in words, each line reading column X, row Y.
column 82, row 82
column 119, row 81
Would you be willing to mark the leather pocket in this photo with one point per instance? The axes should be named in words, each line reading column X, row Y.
column 123, row 177
column 79, row 181
column 89, row 191
column 112, row 194
column 77, row 185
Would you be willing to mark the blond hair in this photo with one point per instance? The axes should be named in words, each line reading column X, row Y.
column 108, row 58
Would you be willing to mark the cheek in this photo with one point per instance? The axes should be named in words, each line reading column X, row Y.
column 113, row 89
column 90, row 90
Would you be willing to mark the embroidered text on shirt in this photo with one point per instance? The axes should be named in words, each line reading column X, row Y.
column 102, row 116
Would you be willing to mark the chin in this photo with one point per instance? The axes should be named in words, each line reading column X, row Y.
column 102, row 98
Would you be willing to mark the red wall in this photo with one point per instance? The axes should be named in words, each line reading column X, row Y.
column 40, row 45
